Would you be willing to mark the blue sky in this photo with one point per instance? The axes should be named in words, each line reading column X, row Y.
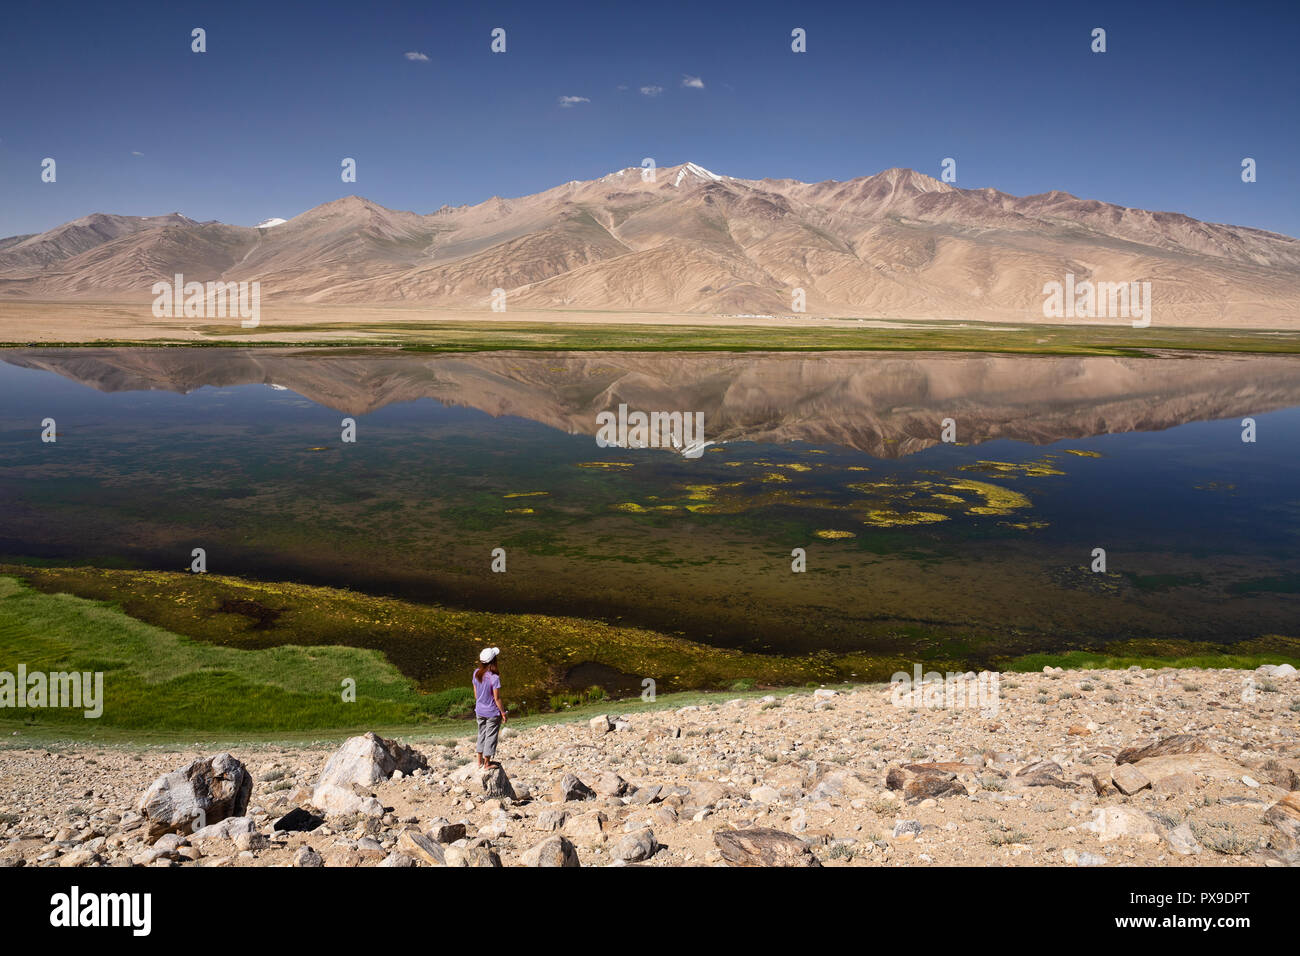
column 257, row 126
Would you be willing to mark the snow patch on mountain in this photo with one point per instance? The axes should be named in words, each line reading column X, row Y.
column 698, row 172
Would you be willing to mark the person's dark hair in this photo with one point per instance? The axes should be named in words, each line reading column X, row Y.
column 478, row 674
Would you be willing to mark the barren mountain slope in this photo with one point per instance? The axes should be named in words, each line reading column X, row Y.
column 898, row 244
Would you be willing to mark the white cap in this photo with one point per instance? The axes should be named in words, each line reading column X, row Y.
column 488, row 654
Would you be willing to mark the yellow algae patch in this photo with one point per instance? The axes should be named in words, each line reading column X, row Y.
column 318, row 448
column 888, row 518
column 525, row 494
column 831, row 534
column 520, row 511
column 604, row 464
column 997, row 500
column 1024, row 525
column 796, row 466
column 1030, row 469
column 706, row 492
column 631, row 507
column 1083, row 454
column 774, row 476
column 955, row 499
column 858, row 468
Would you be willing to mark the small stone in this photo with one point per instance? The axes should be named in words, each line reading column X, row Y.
column 307, row 857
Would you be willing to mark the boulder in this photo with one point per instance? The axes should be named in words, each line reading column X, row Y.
column 635, row 847
column 1044, row 773
column 227, row 829
column 361, row 763
column 763, row 847
column 496, row 785
column 440, row 831
column 1285, row 816
column 472, row 856
column 1200, row 764
column 589, row 829
column 553, row 851
column 207, row 791
column 1128, row 779
column 1178, row 744
column 397, row 858
column 644, row 796
column 307, row 857
column 571, row 788
column 421, row 848
column 551, row 819
column 600, row 725
column 610, row 784
column 920, row 784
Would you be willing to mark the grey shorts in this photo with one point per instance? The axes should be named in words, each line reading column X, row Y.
column 488, row 728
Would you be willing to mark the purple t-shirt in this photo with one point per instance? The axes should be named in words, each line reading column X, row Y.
column 484, row 705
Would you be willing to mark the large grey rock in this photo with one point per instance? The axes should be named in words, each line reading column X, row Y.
column 763, row 847
column 636, row 847
column 553, row 851
column 360, row 763
column 472, row 856
column 227, row 829
column 205, row 792
column 307, row 857
column 496, row 785
column 571, row 788
column 610, row 784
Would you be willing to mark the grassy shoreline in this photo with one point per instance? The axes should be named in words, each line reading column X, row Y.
column 214, row 673
column 455, row 336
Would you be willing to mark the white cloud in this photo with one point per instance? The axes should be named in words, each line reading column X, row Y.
column 694, row 82
column 651, row 90
column 136, row 152
column 567, row 101
column 418, row 57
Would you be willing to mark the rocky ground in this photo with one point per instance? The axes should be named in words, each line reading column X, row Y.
column 1079, row 768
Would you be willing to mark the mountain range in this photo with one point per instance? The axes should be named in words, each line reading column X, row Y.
column 897, row 244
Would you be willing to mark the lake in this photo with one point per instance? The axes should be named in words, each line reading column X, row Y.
column 970, row 548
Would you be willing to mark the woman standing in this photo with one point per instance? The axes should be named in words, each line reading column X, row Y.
column 487, row 705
